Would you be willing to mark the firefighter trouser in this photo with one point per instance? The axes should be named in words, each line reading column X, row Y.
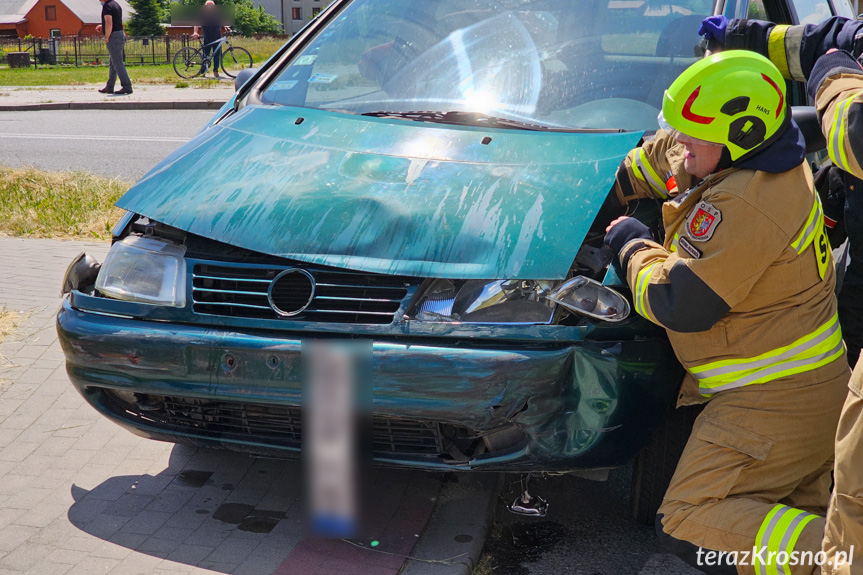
column 756, row 472
column 844, row 531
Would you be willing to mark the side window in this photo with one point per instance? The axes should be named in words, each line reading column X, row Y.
column 812, row 11
column 757, row 11
column 843, row 8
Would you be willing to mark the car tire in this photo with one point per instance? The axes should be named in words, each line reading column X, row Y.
column 655, row 464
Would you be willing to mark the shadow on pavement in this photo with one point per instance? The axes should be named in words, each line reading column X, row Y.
column 213, row 509
column 235, row 513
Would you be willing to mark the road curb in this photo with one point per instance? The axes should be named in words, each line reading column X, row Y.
column 455, row 534
column 118, row 105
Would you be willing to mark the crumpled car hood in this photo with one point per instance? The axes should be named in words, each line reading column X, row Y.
column 387, row 196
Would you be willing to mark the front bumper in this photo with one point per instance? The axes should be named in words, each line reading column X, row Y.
column 576, row 406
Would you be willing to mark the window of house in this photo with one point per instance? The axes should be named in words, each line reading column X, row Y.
column 297, row 13
column 316, row 11
column 55, row 32
column 50, row 12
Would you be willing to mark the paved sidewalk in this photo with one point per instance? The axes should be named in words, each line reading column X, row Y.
column 144, row 97
column 81, row 496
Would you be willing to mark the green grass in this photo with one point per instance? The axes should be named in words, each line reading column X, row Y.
column 260, row 49
column 67, row 75
column 71, row 76
column 42, row 204
column 485, row 566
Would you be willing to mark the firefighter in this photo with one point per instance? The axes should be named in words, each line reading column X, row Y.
column 826, row 55
column 795, row 50
column 743, row 283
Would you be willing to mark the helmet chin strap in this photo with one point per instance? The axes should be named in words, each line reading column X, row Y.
column 725, row 160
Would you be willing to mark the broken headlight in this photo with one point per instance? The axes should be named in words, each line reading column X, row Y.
column 484, row 301
column 144, row 270
column 588, row 297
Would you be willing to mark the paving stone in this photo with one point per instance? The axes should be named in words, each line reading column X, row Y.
column 147, row 522
column 47, row 567
column 80, row 541
column 25, row 556
column 159, row 547
column 104, row 526
column 94, row 566
column 137, row 563
column 67, row 556
column 12, row 536
column 190, row 554
column 17, row 451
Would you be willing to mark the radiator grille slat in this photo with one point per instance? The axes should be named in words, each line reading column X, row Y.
column 277, row 426
column 340, row 296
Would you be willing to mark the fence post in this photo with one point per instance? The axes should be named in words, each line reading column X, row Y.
column 167, row 49
column 75, row 46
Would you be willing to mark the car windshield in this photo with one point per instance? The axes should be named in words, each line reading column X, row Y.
column 535, row 64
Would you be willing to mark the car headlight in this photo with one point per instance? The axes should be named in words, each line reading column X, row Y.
column 144, row 270
column 588, row 297
column 484, row 301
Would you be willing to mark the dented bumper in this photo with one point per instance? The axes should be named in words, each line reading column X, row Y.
column 527, row 405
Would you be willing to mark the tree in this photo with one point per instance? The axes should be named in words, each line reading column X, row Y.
column 248, row 19
column 145, row 20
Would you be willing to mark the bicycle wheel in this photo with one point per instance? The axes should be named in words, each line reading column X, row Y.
column 235, row 59
column 188, row 62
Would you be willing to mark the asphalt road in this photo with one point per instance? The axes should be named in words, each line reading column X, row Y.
column 121, row 144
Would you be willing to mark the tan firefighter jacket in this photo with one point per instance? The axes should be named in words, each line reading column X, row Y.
column 839, row 102
column 744, row 279
column 834, row 80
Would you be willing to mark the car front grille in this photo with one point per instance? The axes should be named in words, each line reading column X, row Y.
column 338, row 296
column 280, row 426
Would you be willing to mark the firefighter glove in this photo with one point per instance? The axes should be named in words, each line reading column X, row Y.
column 624, row 232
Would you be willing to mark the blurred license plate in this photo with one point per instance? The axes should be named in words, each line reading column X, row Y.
column 336, row 404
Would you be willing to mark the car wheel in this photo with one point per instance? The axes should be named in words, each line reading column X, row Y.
column 656, row 463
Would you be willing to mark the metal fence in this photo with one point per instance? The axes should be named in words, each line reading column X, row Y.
column 92, row 51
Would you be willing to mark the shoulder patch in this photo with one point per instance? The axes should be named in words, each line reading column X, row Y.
column 686, row 246
column 702, row 222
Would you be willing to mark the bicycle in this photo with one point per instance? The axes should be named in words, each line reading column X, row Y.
column 191, row 62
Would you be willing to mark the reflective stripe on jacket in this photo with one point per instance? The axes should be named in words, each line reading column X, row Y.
column 840, row 107
column 744, row 281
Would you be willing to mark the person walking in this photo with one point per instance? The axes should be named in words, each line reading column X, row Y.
column 743, row 282
column 826, row 56
column 115, row 38
column 212, row 26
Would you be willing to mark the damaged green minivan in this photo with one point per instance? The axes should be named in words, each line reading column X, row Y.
column 430, row 177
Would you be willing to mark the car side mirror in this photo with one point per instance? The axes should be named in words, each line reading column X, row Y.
column 243, row 76
column 807, row 120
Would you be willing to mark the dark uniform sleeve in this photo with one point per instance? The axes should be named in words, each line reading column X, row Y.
column 693, row 294
column 646, row 172
column 795, row 49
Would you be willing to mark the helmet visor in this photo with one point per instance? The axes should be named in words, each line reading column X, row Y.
column 680, row 136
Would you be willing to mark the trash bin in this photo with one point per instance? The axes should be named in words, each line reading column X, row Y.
column 46, row 56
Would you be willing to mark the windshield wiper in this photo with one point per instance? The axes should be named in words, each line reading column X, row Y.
column 481, row 120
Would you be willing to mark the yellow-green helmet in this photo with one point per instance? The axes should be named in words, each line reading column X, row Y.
column 734, row 98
